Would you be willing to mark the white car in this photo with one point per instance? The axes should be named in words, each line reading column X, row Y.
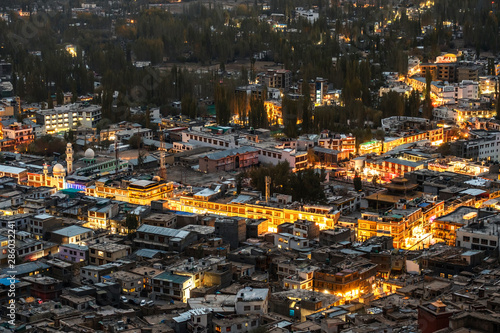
column 124, row 299
column 143, row 302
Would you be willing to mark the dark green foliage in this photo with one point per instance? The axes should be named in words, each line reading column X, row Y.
column 303, row 185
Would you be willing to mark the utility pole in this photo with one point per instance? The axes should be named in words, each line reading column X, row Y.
column 163, row 168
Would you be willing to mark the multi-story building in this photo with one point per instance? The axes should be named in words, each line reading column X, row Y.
column 396, row 223
column 68, row 117
column 480, row 234
column 334, row 236
column 44, row 287
column 159, row 238
column 99, row 217
column 105, row 253
column 482, row 147
column 445, row 227
column 173, row 286
column 232, row 230
column 130, row 283
column 229, row 160
column 72, row 235
column 140, row 192
column 273, row 78
column 348, row 282
column 287, row 241
column 15, row 135
column 440, row 71
column 300, row 278
column 252, row 301
column 236, row 324
column 340, row 142
column 73, row 252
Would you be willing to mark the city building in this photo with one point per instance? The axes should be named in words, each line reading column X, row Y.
column 252, row 301
column 68, row 117
column 105, row 253
column 229, row 160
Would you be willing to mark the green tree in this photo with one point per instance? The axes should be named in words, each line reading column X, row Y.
column 131, row 223
column 135, row 141
column 358, row 184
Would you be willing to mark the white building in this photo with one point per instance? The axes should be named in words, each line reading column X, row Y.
column 252, row 301
column 482, row 235
column 309, row 15
column 67, row 117
column 288, row 241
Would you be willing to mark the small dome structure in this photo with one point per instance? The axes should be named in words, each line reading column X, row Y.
column 69, row 145
column 58, row 168
column 89, row 154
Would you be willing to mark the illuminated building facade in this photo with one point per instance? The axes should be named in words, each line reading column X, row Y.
column 274, row 215
column 348, row 283
column 396, row 223
column 140, row 192
column 66, row 117
column 340, row 142
column 445, row 228
column 393, row 167
column 174, row 286
column 370, row 147
column 15, row 135
column 57, row 179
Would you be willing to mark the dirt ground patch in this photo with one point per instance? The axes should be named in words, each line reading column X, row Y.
column 188, row 176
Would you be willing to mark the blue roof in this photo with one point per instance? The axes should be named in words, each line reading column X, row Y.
column 148, row 253
column 424, row 204
column 25, row 268
column 7, row 281
column 174, row 278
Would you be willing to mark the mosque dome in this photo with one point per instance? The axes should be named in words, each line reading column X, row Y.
column 89, row 154
column 69, row 145
column 58, row 168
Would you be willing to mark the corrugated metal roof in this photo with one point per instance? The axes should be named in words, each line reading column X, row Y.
column 168, row 232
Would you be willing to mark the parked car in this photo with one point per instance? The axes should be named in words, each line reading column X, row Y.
column 143, row 302
column 124, row 299
column 150, row 303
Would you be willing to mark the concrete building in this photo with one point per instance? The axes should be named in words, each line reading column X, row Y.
column 288, row 241
column 252, row 301
column 167, row 239
column 232, row 230
column 479, row 235
column 73, row 252
column 172, row 286
column 228, row 160
column 105, row 253
column 44, row 287
column 433, row 317
column 130, row 283
column 333, row 236
column 68, row 117
column 72, row 235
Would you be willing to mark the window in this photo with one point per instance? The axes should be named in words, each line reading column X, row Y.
column 246, row 308
column 466, row 239
column 228, row 329
column 256, row 308
column 475, row 240
column 493, row 243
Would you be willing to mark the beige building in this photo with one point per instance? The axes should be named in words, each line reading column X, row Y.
column 104, row 253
